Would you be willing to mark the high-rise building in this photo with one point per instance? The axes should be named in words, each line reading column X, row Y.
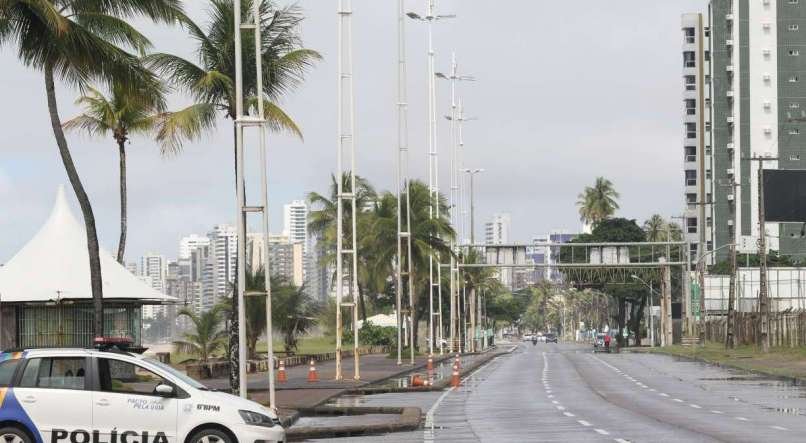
column 191, row 242
column 697, row 148
column 155, row 267
column 748, row 60
column 219, row 276
column 286, row 258
column 132, row 267
column 295, row 222
column 497, row 230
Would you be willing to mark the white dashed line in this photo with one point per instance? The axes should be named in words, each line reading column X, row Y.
column 742, row 419
column 677, row 400
column 663, row 394
column 561, row 408
column 550, row 396
column 568, row 414
column 621, row 440
column 555, row 402
column 695, row 406
column 584, row 423
column 717, row 412
column 602, row 431
column 779, row 428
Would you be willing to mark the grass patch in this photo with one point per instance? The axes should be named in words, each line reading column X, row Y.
column 782, row 362
column 307, row 345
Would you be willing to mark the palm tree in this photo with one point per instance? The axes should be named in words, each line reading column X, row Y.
column 322, row 220
column 126, row 113
column 209, row 335
column 655, row 228
column 79, row 42
column 598, row 202
column 211, row 83
column 294, row 312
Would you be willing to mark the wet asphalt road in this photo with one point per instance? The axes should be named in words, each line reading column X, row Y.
column 566, row 393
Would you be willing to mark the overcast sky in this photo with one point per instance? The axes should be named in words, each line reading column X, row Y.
column 566, row 91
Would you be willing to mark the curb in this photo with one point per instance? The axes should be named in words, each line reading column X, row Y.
column 408, row 419
column 797, row 381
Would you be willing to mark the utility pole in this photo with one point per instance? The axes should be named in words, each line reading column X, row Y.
column 764, row 306
column 346, row 154
column 244, row 120
column 472, row 173
column 403, row 196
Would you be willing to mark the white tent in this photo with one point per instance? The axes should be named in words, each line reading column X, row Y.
column 54, row 266
column 380, row 320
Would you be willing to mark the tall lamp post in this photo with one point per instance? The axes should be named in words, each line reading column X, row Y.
column 434, row 271
column 651, row 305
column 472, row 173
column 701, row 274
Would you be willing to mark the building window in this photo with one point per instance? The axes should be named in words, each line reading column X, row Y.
column 708, row 79
column 708, row 198
column 708, row 174
column 691, row 106
column 691, row 177
column 794, row 52
column 793, row 27
column 691, row 225
column 689, row 59
column 691, row 199
column 691, row 154
column 708, row 56
column 794, row 131
column 691, row 130
column 707, row 31
column 793, row 2
column 709, row 245
column 794, row 79
column 709, row 221
column 689, row 34
column 708, row 126
column 794, row 105
column 691, row 83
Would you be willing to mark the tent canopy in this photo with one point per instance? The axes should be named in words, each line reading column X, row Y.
column 54, row 266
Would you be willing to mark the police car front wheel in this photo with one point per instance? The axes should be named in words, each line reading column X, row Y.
column 204, row 436
column 13, row 435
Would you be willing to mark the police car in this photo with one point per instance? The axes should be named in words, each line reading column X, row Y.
column 112, row 396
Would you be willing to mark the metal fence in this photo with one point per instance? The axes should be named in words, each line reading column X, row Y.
column 787, row 329
column 71, row 325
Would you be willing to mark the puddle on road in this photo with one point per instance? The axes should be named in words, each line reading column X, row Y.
column 442, row 370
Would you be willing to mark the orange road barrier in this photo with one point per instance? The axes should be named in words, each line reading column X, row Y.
column 282, row 377
column 313, row 377
column 455, row 377
column 430, row 365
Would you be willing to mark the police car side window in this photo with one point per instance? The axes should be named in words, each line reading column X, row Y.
column 127, row 378
column 54, row 373
column 7, row 369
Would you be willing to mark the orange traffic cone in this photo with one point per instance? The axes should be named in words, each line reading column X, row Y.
column 313, row 377
column 457, row 362
column 430, row 365
column 416, row 381
column 282, row 377
column 455, row 377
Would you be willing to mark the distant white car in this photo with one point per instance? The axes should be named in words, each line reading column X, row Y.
column 89, row 395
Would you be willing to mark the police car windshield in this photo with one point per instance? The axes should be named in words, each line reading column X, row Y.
column 178, row 374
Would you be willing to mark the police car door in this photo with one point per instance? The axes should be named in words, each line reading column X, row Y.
column 51, row 395
column 126, row 406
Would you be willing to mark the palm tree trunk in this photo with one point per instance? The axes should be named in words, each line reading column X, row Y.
column 234, row 373
column 83, row 201
column 123, row 200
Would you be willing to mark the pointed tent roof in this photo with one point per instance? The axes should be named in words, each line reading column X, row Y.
column 54, row 265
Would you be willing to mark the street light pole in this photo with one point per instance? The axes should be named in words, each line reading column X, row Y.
column 651, row 305
column 472, row 173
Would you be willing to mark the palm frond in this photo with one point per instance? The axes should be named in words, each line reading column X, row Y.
column 173, row 128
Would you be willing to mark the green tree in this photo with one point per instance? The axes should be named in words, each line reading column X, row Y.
column 294, row 312
column 598, row 202
column 127, row 113
column 208, row 336
column 211, row 82
column 80, row 42
column 323, row 225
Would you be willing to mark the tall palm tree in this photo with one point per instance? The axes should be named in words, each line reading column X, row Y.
column 294, row 312
column 655, row 228
column 323, row 220
column 211, row 82
column 79, row 42
column 208, row 336
column 126, row 113
column 598, row 202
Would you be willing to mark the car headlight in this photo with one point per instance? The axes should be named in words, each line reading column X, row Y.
column 257, row 419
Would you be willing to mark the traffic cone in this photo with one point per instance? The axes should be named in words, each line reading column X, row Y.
column 282, row 377
column 430, row 365
column 457, row 362
column 416, row 381
column 312, row 375
column 455, row 377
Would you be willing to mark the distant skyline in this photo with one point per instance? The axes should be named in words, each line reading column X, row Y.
column 566, row 91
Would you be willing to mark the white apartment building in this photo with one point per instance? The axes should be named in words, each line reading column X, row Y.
column 497, row 230
column 189, row 243
column 295, row 222
column 219, row 276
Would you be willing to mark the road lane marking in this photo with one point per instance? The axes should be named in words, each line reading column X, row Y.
column 780, row 428
column 717, row 412
column 584, row 423
column 621, row 440
column 677, row 400
column 742, row 419
column 695, row 406
column 550, row 396
column 561, row 408
column 555, row 402
column 568, row 414
column 663, row 394
column 602, row 431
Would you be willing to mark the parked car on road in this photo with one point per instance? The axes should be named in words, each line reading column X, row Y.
column 551, row 338
column 82, row 395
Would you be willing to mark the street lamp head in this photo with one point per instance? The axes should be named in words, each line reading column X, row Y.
column 635, row 277
column 414, row 16
column 441, row 75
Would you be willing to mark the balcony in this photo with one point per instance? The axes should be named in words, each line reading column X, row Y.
column 729, row 42
column 730, row 119
column 729, row 68
column 729, row 171
column 690, row 39
column 691, row 158
column 691, row 182
column 730, row 93
column 690, row 64
column 691, row 111
column 730, row 146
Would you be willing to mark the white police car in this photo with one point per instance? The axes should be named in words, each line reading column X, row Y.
column 94, row 396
